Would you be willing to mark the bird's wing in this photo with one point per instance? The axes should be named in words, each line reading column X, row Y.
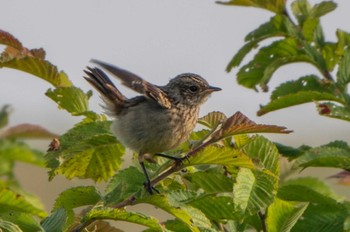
column 137, row 84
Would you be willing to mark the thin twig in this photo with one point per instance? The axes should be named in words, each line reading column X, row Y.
column 175, row 166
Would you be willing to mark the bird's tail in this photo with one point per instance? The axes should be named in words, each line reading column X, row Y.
column 114, row 99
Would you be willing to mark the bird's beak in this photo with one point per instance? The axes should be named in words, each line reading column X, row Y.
column 213, row 89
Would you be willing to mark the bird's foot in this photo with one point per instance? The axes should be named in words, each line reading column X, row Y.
column 176, row 159
column 150, row 189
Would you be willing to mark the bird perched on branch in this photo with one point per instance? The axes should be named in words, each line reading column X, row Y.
column 158, row 120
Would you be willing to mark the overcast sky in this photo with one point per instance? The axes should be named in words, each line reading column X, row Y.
column 157, row 40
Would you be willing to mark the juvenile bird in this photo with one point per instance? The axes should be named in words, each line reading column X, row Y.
column 159, row 119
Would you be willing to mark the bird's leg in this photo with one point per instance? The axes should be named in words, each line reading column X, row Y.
column 148, row 183
column 177, row 159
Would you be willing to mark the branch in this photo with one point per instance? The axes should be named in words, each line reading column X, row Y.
column 175, row 166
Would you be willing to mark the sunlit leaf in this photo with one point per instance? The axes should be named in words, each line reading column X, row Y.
column 253, row 190
column 12, row 201
column 123, row 215
column 24, row 221
column 220, row 156
column 276, row 6
column 330, row 55
column 72, row 99
column 87, row 151
column 27, row 131
column 40, row 68
column 192, row 217
column 282, row 215
column 125, row 183
column 264, row 153
column 343, row 41
column 212, row 119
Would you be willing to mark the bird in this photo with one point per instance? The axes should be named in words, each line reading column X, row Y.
column 159, row 119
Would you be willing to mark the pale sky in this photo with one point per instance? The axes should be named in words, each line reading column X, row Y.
column 156, row 39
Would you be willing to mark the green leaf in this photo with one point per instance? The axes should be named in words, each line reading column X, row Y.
column 269, row 59
column 301, row 10
column 343, row 74
column 333, row 110
column 72, row 99
column 76, row 197
column 307, row 189
column 125, row 183
column 343, row 41
column 298, row 98
column 283, row 215
column 27, row 131
column 253, row 190
column 175, row 225
column 12, row 150
column 12, row 201
column 7, row 226
column 24, row 221
column 264, row 153
column 192, row 217
column 4, row 113
column 216, row 207
column 40, row 68
column 56, row 221
column 278, row 26
column 330, row 55
column 220, row 156
column 123, row 215
column 325, row 156
column 212, row 119
column 322, row 8
column 87, row 151
column 209, row 182
column 276, row 6
column 322, row 218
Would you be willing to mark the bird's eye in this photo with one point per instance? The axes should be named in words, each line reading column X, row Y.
column 193, row 88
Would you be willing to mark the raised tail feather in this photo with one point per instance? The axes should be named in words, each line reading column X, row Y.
column 111, row 95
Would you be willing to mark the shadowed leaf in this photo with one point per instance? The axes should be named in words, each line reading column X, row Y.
column 212, row 119
column 283, row 215
column 4, row 116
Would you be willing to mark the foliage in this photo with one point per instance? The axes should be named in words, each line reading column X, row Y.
column 231, row 179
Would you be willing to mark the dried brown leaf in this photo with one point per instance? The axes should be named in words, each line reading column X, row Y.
column 27, row 131
column 241, row 124
column 9, row 40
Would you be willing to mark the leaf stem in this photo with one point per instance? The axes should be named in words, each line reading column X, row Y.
column 263, row 222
